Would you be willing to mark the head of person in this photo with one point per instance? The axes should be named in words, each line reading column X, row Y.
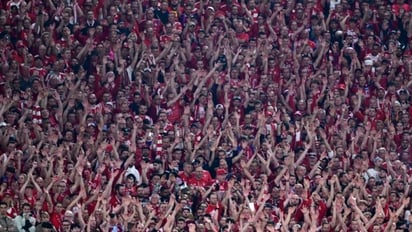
column 3, row 208
column 26, row 209
column 46, row 227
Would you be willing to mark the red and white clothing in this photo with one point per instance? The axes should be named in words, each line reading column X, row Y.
column 205, row 181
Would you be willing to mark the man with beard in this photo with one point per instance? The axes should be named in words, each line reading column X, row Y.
column 295, row 203
column 200, row 178
column 93, row 105
column 319, row 204
column 143, row 192
column 116, row 197
column 405, row 144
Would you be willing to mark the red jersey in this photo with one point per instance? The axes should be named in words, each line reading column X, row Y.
column 115, row 201
column 184, row 177
column 56, row 219
column 205, row 181
column 175, row 111
column 40, row 72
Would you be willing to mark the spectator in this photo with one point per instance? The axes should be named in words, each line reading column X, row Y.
column 6, row 223
column 45, row 227
column 25, row 221
column 206, row 115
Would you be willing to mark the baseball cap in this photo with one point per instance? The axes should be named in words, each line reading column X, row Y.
column 298, row 113
column 219, row 106
column 237, row 98
column 211, row 8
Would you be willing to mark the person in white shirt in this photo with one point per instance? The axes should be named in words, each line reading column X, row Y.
column 374, row 171
column 25, row 221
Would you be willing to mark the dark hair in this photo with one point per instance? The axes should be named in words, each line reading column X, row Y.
column 46, row 225
column 25, row 204
column 75, row 225
column 117, row 186
column 131, row 176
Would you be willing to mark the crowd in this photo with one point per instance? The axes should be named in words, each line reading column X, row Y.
column 210, row 115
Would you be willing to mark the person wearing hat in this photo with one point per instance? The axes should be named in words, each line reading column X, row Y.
column 219, row 112
column 196, row 131
column 19, row 55
column 8, row 198
column 221, row 175
column 298, row 115
column 187, row 213
column 131, row 169
column 375, row 170
column 210, row 12
column 237, row 106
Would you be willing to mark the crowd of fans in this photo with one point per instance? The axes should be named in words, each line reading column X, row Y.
column 210, row 115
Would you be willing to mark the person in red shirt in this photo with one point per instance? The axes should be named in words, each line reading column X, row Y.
column 46, row 59
column 11, row 209
column 214, row 206
column 200, row 178
column 20, row 53
column 320, row 205
column 131, row 186
column 221, row 179
column 167, row 36
column 186, row 174
column 61, row 191
column 117, row 195
column 28, row 194
column 38, row 68
column 56, row 217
